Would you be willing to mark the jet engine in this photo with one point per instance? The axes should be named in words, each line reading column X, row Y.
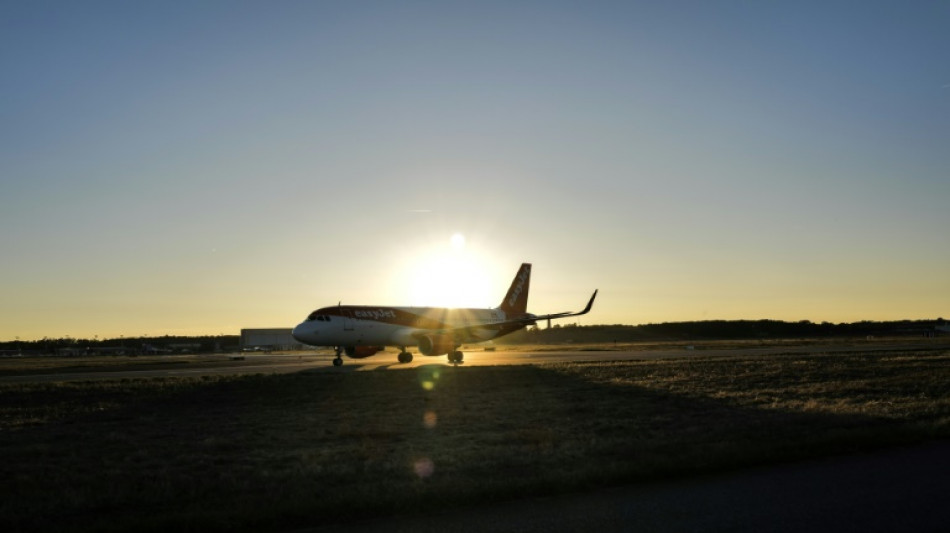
column 358, row 352
column 436, row 344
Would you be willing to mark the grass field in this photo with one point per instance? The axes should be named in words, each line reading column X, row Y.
column 278, row 452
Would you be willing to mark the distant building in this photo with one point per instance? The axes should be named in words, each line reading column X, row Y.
column 269, row 339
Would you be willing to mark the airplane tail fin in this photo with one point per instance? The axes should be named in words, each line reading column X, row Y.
column 516, row 301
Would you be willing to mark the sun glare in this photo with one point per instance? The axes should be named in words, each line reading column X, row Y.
column 450, row 276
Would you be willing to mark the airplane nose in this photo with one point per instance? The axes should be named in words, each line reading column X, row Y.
column 298, row 333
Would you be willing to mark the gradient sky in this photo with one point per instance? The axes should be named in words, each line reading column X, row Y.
column 199, row 167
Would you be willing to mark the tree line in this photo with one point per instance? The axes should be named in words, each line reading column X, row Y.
column 721, row 330
column 166, row 344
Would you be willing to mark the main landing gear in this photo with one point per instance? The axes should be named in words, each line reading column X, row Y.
column 404, row 356
column 456, row 357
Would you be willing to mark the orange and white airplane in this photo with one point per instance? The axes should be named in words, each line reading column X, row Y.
column 363, row 330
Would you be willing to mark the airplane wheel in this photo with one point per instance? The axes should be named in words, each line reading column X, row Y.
column 405, row 357
column 338, row 362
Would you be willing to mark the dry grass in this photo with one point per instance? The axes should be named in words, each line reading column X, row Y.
column 282, row 451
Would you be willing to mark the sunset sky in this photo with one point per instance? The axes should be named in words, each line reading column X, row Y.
column 198, row 167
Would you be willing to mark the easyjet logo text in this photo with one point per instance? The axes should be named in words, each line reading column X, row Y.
column 374, row 314
column 516, row 292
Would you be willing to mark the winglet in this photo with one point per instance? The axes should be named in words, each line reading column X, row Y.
column 590, row 304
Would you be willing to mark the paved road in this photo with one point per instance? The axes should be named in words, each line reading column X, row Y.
column 311, row 361
column 896, row 490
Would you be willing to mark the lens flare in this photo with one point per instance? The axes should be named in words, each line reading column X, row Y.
column 428, row 376
column 424, row 467
column 430, row 419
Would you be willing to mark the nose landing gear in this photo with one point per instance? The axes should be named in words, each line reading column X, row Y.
column 339, row 359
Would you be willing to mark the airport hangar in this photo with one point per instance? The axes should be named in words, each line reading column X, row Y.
column 269, row 339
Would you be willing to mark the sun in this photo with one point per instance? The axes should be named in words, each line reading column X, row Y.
column 450, row 276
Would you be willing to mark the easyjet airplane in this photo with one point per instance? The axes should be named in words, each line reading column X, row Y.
column 363, row 330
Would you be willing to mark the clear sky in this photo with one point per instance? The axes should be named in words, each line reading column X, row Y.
column 199, row 167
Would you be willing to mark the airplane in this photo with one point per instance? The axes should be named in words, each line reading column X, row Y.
column 363, row 330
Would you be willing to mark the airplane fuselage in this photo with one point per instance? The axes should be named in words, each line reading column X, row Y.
column 347, row 325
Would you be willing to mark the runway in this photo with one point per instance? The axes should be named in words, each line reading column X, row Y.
column 321, row 361
column 604, row 354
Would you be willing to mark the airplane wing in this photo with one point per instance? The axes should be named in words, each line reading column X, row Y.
column 586, row 310
column 470, row 333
